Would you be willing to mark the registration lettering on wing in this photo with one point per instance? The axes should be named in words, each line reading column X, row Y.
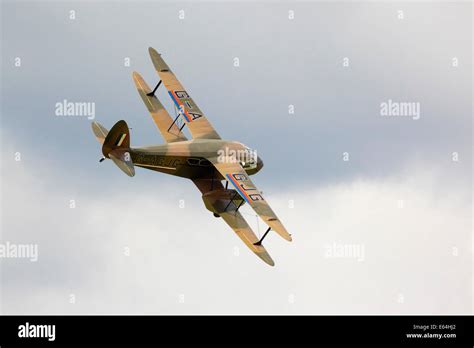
column 244, row 186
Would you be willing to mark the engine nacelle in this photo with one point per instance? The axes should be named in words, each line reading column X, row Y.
column 218, row 201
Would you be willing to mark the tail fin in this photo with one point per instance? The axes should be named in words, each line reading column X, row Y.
column 116, row 146
column 117, row 138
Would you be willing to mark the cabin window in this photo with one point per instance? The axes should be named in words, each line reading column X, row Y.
column 205, row 163
column 193, row 161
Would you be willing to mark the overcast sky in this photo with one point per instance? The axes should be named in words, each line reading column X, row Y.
column 402, row 200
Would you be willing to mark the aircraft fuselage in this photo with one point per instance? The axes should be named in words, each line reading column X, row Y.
column 188, row 158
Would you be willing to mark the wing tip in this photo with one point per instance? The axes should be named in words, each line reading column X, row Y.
column 267, row 259
column 140, row 82
column 135, row 74
column 278, row 227
column 158, row 62
column 152, row 51
column 263, row 254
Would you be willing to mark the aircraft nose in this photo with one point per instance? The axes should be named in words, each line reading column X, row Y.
column 259, row 164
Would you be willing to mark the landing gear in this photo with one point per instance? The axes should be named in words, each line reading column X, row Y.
column 216, row 215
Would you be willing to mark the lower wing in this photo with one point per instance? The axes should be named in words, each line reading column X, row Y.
column 236, row 175
column 235, row 220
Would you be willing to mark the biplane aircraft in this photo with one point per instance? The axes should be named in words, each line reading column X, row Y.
column 206, row 159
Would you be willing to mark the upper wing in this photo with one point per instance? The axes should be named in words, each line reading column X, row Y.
column 237, row 176
column 198, row 124
column 160, row 116
column 235, row 220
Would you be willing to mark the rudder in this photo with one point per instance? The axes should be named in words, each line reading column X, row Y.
column 117, row 138
column 117, row 147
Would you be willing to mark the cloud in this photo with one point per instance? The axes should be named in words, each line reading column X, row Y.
column 131, row 248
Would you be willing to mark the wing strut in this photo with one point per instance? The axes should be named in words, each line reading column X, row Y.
column 176, row 119
column 152, row 93
column 261, row 240
column 232, row 201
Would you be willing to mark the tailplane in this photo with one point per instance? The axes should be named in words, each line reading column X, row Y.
column 100, row 131
column 116, row 145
